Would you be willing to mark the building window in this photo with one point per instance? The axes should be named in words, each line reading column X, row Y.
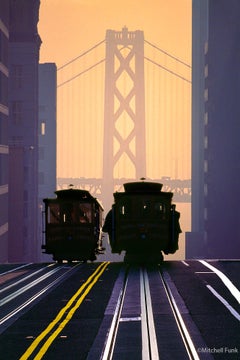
column 17, row 76
column 17, row 112
column 4, row 47
column 205, row 142
column 16, row 140
column 206, row 94
column 43, row 128
column 206, row 48
column 3, row 89
column 205, row 166
column 206, row 118
column 206, row 71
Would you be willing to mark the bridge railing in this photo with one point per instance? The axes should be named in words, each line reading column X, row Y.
column 180, row 188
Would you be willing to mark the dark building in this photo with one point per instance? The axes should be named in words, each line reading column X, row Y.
column 47, row 139
column 4, row 118
column 27, row 132
column 215, row 129
column 24, row 44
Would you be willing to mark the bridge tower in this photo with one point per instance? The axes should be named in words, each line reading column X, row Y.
column 124, row 153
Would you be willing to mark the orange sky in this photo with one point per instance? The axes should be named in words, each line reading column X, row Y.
column 67, row 27
column 70, row 27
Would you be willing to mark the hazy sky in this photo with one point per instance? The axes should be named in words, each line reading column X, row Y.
column 67, row 27
column 70, row 27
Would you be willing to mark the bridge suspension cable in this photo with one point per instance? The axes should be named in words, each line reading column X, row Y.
column 166, row 69
column 81, row 73
column 81, row 55
column 145, row 57
column 166, row 53
column 81, row 114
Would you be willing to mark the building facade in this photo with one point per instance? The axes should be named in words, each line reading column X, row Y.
column 24, row 44
column 27, row 132
column 215, row 127
column 47, row 139
column 4, row 118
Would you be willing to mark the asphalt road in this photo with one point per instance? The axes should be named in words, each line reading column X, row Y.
column 205, row 297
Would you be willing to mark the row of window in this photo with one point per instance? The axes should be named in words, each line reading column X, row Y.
column 70, row 213
column 3, row 89
column 3, row 169
column 143, row 209
column 3, row 47
column 205, row 163
column 3, row 122
column 17, row 115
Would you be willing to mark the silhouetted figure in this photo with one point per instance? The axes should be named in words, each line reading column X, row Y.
column 108, row 225
column 175, row 231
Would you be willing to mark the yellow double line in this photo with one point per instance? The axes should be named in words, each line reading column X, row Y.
column 83, row 290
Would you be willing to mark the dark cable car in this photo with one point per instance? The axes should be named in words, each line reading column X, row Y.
column 143, row 222
column 73, row 226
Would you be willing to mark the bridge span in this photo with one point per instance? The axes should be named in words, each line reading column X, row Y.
column 180, row 188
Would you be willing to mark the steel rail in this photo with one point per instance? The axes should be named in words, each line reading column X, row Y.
column 190, row 348
column 15, row 269
column 26, row 277
column 108, row 350
column 12, row 314
column 27, row 287
column 149, row 340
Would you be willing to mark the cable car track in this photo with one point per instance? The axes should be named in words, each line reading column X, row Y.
column 27, row 287
column 8, row 315
column 134, row 311
column 190, row 347
column 149, row 340
column 15, row 269
column 150, row 343
column 112, row 333
column 148, row 337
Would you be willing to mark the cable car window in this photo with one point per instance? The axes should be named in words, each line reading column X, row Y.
column 54, row 214
column 160, row 208
column 85, row 213
column 67, row 213
column 75, row 213
column 145, row 208
column 125, row 208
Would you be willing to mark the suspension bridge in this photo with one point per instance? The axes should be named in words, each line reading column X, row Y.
column 124, row 110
